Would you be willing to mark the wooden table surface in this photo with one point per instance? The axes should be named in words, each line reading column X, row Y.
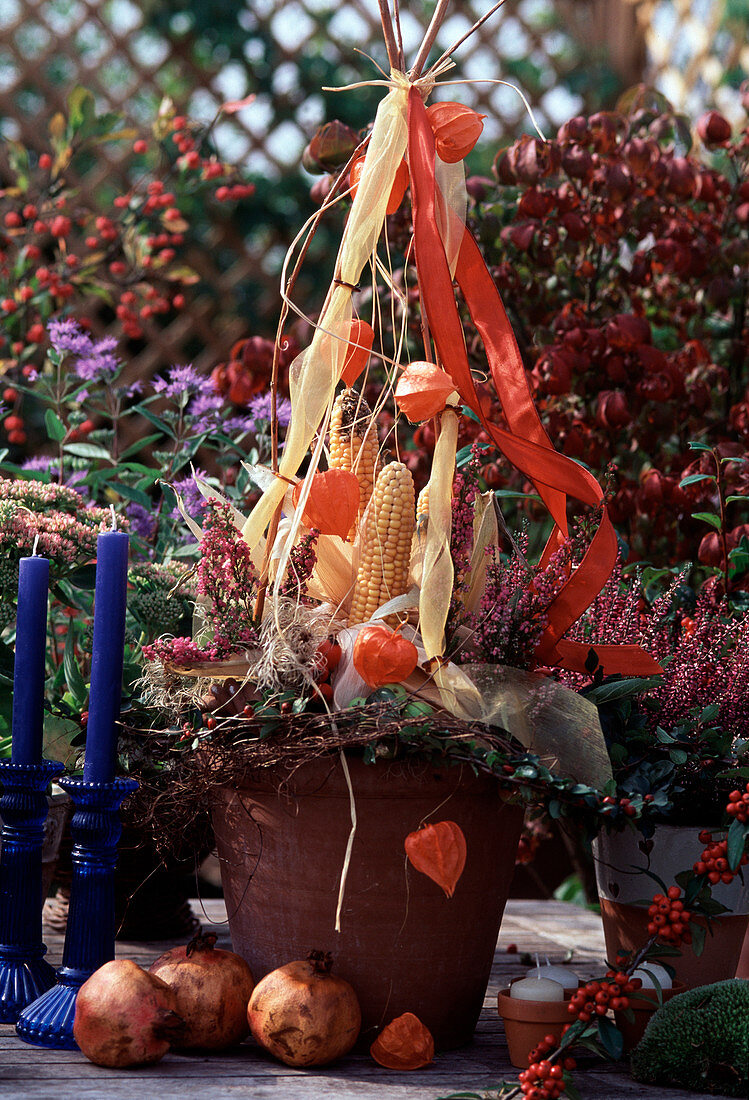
column 551, row 928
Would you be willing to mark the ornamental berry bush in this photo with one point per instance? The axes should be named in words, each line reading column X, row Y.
column 621, row 254
column 117, row 252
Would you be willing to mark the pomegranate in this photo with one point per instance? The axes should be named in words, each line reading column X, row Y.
column 304, row 1015
column 212, row 988
column 125, row 1016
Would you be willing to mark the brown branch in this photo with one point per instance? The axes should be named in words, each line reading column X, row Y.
column 432, row 31
column 387, row 30
column 399, row 35
column 468, row 33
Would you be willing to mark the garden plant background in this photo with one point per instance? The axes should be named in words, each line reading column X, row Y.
column 176, row 257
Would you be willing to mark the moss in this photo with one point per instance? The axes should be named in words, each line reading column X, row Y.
column 699, row 1040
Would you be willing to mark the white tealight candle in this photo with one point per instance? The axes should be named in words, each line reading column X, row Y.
column 648, row 971
column 561, row 974
column 537, row 989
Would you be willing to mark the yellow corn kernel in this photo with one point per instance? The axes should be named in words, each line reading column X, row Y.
column 386, row 544
column 422, row 509
column 354, row 444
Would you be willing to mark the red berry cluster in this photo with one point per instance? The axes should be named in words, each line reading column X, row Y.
column 611, row 804
column 53, row 247
column 544, row 1080
column 669, row 918
column 714, row 860
column 738, row 805
column 329, row 653
column 597, row 997
column 603, row 377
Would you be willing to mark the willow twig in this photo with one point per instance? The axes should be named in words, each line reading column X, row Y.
column 399, row 35
column 387, row 29
column 432, row 31
column 479, row 22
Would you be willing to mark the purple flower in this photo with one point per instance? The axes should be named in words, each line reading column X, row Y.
column 100, row 361
column 40, row 462
column 68, row 335
column 192, row 498
column 183, row 380
column 142, row 522
column 206, row 409
column 234, row 425
column 260, row 409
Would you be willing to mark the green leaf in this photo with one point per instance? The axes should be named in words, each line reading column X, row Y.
column 74, row 678
column 59, row 733
column 611, row 1038
column 737, row 835
column 131, row 493
column 692, row 479
column 621, row 689
column 679, row 756
column 731, row 499
column 708, row 517
column 134, row 448
column 56, row 430
column 88, row 450
column 511, row 494
column 698, row 937
column 570, row 1089
column 81, row 108
column 712, row 710
column 699, row 446
column 156, row 421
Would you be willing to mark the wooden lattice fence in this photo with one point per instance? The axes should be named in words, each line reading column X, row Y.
column 567, row 55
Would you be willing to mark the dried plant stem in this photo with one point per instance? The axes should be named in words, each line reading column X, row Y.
column 349, row 845
column 479, row 22
column 432, row 31
column 387, row 30
column 399, row 35
column 275, row 520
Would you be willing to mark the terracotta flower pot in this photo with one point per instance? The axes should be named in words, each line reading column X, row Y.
column 623, row 891
column 528, row 1022
column 403, row 945
column 634, row 1029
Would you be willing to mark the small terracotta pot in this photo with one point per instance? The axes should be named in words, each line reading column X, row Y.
column 528, row 1022
column 623, row 891
column 633, row 1030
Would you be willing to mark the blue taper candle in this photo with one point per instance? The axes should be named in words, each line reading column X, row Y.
column 110, row 598
column 29, row 668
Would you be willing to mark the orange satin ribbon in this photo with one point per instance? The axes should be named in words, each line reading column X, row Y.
column 526, row 444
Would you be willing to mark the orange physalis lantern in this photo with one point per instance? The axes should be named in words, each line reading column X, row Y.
column 397, row 191
column 404, row 1044
column 456, row 130
column 383, row 656
column 356, row 357
column 333, row 502
column 422, row 391
column 438, row 851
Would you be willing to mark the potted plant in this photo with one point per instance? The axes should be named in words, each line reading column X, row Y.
column 678, row 746
column 336, row 631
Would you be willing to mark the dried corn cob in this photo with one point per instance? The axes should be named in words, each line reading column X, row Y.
column 386, row 544
column 422, row 506
column 354, row 444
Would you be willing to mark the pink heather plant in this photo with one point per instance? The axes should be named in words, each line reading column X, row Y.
column 226, row 587
column 512, row 615
column 704, row 653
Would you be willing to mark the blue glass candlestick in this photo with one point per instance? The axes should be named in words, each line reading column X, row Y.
column 89, row 938
column 24, row 973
